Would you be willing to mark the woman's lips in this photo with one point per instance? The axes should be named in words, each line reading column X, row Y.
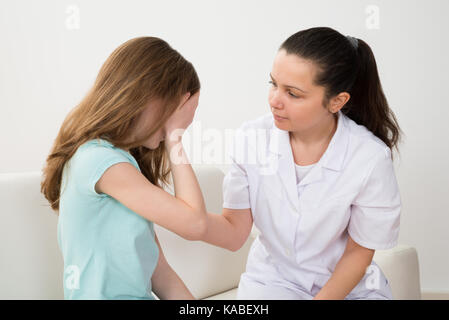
column 278, row 118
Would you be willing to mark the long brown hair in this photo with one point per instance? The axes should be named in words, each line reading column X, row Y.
column 345, row 67
column 137, row 71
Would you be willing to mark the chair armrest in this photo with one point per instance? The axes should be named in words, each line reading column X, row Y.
column 401, row 267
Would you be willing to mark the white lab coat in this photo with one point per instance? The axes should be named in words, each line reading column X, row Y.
column 352, row 190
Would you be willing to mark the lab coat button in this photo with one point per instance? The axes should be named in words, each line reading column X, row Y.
column 287, row 252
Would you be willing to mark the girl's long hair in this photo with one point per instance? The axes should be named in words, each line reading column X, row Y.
column 346, row 68
column 139, row 70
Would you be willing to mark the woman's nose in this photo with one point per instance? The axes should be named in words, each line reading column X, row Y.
column 275, row 100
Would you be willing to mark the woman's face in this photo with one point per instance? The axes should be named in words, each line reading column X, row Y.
column 296, row 103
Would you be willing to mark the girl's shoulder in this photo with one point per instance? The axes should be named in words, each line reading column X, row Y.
column 92, row 159
column 96, row 144
column 98, row 150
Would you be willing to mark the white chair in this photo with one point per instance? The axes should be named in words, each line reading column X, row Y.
column 31, row 265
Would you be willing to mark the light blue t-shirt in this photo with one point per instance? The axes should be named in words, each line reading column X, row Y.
column 109, row 250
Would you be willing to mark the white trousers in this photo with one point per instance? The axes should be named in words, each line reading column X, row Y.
column 251, row 288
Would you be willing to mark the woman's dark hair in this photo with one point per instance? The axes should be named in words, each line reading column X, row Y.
column 343, row 67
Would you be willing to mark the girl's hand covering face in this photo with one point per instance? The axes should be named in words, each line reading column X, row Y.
column 183, row 115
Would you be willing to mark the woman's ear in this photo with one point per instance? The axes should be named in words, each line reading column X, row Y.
column 339, row 101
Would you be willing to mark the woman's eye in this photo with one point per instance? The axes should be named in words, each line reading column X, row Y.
column 289, row 92
column 292, row 95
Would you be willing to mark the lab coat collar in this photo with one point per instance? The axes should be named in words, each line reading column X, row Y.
column 334, row 155
column 332, row 159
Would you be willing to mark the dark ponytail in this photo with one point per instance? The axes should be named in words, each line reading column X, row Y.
column 348, row 66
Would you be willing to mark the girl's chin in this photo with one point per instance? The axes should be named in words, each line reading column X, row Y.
column 152, row 146
column 155, row 145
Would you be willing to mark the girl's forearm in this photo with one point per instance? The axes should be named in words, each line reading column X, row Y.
column 172, row 287
column 166, row 284
column 347, row 274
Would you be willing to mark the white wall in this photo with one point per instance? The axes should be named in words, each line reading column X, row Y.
column 51, row 52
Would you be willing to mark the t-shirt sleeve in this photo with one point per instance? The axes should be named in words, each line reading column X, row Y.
column 91, row 163
column 236, row 188
column 375, row 212
column 235, row 183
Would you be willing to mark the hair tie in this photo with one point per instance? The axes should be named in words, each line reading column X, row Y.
column 354, row 42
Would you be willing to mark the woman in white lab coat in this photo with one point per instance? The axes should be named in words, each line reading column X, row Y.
column 315, row 175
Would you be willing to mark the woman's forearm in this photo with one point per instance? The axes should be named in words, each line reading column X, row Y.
column 220, row 232
column 230, row 229
column 347, row 274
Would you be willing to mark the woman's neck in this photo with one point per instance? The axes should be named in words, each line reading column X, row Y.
column 317, row 135
column 308, row 147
